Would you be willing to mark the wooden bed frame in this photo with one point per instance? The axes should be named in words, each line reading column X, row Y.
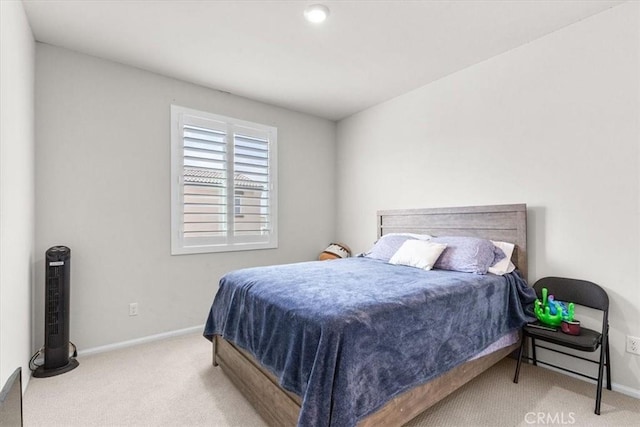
column 279, row 407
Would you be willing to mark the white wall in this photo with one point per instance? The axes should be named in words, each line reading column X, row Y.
column 103, row 189
column 17, row 57
column 554, row 124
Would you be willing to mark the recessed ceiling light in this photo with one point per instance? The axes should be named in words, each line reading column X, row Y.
column 316, row 13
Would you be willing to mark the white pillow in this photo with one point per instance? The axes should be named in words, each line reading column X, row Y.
column 418, row 253
column 505, row 265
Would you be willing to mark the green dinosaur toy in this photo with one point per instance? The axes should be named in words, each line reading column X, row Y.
column 552, row 312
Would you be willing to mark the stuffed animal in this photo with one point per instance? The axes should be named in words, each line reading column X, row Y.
column 335, row 251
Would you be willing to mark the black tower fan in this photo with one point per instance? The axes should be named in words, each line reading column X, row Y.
column 56, row 316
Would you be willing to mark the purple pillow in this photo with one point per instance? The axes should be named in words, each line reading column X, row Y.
column 467, row 254
column 386, row 246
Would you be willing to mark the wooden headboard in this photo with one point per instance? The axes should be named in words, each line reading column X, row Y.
column 507, row 223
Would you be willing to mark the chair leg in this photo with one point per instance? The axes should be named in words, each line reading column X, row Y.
column 533, row 351
column 515, row 378
column 603, row 351
column 608, row 366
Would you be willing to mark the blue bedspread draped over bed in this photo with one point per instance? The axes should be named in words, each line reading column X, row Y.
column 348, row 335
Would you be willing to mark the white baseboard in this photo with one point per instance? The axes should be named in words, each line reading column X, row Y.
column 629, row 391
column 138, row 341
column 626, row 390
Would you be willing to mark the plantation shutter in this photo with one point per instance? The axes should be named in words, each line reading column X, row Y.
column 225, row 197
column 252, row 184
column 205, row 183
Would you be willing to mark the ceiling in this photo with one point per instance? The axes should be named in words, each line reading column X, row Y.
column 365, row 53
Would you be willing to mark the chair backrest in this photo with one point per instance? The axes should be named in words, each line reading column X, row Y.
column 577, row 291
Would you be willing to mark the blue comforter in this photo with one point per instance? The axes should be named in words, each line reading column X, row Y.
column 348, row 335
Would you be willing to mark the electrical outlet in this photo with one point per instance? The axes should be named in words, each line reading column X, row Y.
column 633, row 345
column 133, row 309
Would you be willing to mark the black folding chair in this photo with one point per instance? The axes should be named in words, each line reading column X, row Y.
column 584, row 293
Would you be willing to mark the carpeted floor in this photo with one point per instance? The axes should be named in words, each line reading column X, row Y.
column 172, row 383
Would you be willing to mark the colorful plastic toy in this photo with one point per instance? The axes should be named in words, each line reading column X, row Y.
column 552, row 312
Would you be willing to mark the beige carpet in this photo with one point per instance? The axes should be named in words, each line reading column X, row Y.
column 172, row 383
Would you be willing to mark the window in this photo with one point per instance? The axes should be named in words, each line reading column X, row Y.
column 238, row 204
column 223, row 187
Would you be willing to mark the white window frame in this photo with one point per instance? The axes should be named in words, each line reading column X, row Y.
column 229, row 242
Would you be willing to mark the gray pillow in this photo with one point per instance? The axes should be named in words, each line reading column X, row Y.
column 467, row 254
column 387, row 246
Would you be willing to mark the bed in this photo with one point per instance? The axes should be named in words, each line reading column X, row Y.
column 281, row 407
